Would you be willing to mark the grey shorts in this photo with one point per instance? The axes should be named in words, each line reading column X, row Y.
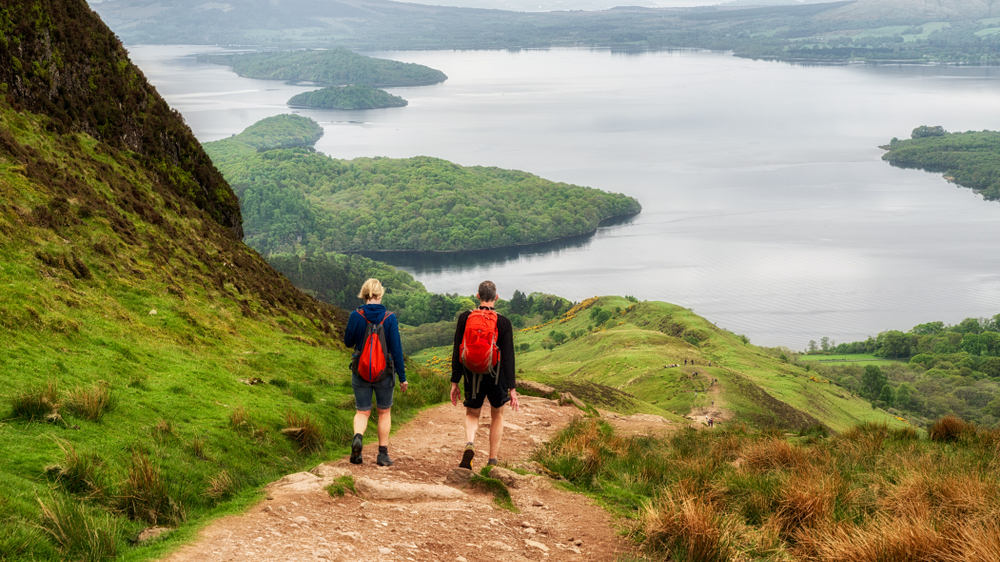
column 363, row 393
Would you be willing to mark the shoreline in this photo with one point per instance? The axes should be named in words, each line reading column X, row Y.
column 603, row 222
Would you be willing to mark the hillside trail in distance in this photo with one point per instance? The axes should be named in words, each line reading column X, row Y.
column 415, row 511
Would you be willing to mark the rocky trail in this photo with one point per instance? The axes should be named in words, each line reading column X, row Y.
column 421, row 508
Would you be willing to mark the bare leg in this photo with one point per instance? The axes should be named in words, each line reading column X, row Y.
column 361, row 421
column 384, row 424
column 496, row 431
column 471, row 424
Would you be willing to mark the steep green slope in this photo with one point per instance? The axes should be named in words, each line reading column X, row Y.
column 297, row 200
column 620, row 355
column 150, row 360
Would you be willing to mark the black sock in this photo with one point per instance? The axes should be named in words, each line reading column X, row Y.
column 383, row 449
column 356, row 435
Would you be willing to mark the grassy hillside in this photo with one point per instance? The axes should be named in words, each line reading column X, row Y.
column 156, row 370
column 621, row 364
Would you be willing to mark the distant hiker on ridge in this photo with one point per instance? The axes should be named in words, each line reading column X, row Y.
column 483, row 355
column 378, row 357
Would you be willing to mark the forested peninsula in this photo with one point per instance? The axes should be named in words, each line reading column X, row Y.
column 970, row 159
column 298, row 200
column 333, row 67
column 356, row 96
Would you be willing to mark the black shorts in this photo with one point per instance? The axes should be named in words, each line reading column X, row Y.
column 488, row 388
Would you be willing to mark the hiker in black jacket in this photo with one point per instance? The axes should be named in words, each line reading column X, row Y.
column 498, row 385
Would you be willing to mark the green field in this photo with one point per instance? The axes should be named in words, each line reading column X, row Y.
column 858, row 359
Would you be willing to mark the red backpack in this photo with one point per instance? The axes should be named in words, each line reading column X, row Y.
column 375, row 362
column 479, row 352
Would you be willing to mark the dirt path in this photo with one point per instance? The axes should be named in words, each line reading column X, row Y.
column 300, row 521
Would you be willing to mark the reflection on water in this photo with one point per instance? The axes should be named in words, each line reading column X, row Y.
column 419, row 263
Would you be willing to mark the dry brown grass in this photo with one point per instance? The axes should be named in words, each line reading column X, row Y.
column 91, row 403
column 948, row 428
column 679, row 522
column 772, row 454
column 806, row 502
column 880, row 540
column 980, row 543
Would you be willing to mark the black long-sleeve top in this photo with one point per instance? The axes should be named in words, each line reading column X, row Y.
column 505, row 341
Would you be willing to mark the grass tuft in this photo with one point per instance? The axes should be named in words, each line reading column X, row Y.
column 220, row 486
column 948, row 428
column 341, row 486
column 501, row 495
column 144, row 495
column 80, row 534
column 304, row 430
column 36, row 402
column 78, row 473
column 684, row 529
column 91, row 403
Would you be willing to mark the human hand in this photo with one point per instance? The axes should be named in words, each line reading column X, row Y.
column 454, row 394
column 514, row 405
column 403, row 386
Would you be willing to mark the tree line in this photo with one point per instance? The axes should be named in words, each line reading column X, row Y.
column 942, row 369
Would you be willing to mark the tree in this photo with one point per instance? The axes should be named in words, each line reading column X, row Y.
column 894, row 343
column 812, row 346
column 872, row 381
column 518, row 303
column 928, row 329
column 887, row 396
column 904, row 396
column 969, row 326
column 974, row 344
column 824, row 343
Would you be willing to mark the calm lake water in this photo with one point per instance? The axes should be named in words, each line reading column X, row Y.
column 766, row 207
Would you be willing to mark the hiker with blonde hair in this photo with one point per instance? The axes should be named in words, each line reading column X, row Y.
column 377, row 360
column 483, row 356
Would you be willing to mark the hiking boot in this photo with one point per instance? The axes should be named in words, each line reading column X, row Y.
column 492, row 462
column 383, row 459
column 356, row 449
column 470, row 452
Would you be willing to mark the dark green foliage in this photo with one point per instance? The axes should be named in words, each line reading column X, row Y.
column 356, row 96
column 296, row 200
column 952, row 370
column 280, row 131
column 334, row 67
column 969, row 159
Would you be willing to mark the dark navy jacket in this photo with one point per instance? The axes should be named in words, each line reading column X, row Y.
column 354, row 334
